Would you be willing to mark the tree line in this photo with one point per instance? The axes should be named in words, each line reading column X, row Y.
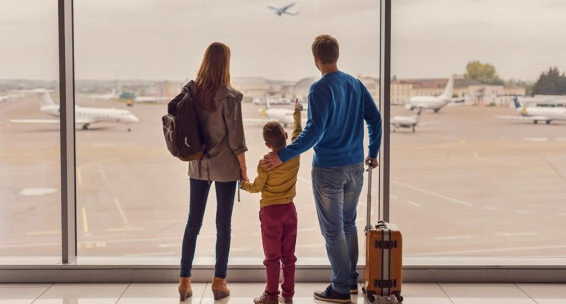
column 551, row 82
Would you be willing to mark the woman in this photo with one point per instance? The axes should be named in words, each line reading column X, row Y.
column 220, row 115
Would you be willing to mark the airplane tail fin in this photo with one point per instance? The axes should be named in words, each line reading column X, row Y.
column 517, row 103
column 47, row 100
column 448, row 89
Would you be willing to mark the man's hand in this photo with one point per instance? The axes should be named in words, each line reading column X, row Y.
column 270, row 161
column 371, row 162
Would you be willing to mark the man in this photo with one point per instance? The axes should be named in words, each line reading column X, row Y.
column 338, row 106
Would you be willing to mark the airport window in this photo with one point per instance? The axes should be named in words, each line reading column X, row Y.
column 468, row 175
column 133, row 196
column 30, row 179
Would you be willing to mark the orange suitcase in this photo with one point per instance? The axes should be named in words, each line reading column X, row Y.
column 384, row 266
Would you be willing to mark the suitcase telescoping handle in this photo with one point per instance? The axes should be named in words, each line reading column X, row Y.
column 380, row 223
column 368, row 216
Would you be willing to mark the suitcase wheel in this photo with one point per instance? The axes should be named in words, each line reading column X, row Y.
column 399, row 297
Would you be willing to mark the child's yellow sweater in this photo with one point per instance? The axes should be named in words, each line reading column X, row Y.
column 278, row 185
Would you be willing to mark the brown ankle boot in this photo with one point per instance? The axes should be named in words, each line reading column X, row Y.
column 185, row 290
column 219, row 288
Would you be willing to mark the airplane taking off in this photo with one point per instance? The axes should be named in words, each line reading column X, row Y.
column 84, row 116
column 409, row 122
column 111, row 96
column 433, row 102
column 283, row 10
column 537, row 114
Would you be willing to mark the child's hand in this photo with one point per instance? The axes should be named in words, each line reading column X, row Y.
column 298, row 106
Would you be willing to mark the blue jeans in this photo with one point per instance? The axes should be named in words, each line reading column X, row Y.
column 336, row 193
column 225, row 204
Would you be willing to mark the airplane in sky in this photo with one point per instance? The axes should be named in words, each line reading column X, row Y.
column 83, row 116
column 409, row 122
column 283, row 10
column 537, row 114
column 433, row 102
column 110, row 96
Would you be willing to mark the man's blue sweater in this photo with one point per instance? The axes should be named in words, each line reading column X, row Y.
column 338, row 106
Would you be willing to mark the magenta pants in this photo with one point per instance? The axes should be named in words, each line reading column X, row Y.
column 279, row 235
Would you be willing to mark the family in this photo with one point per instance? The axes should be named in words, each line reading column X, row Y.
column 338, row 107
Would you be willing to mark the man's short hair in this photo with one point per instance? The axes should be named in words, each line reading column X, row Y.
column 274, row 135
column 326, row 49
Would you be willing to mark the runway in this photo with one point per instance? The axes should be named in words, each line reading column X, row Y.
column 468, row 184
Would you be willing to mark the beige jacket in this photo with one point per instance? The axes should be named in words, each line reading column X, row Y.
column 223, row 134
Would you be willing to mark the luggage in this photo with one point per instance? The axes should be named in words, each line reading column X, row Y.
column 181, row 128
column 383, row 273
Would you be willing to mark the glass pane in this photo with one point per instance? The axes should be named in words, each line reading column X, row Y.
column 476, row 176
column 132, row 194
column 30, row 178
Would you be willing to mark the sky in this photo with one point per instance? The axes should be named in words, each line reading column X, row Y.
column 166, row 39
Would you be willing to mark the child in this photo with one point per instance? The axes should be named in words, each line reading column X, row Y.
column 277, row 214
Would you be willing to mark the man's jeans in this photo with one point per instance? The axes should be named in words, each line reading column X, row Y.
column 336, row 193
column 224, row 205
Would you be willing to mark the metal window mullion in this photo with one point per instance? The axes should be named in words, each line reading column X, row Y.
column 384, row 106
column 67, row 132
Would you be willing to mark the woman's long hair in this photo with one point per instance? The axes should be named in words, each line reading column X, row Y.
column 214, row 72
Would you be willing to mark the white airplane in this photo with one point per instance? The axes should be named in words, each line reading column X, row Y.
column 110, row 96
column 557, row 101
column 283, row 115
column 83, row 116
column 537, row 114
column 151, row 99
column 409, row 122
column 433, row 102
column 283, row 10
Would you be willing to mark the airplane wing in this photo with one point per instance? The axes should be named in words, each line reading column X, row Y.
column 272, row 7
column 47, row 121
column 524, row 117
column 286, row 7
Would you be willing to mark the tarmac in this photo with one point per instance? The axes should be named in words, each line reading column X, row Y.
column 466, row 183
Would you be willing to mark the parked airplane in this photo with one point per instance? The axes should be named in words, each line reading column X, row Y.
column 83, row 116
column 111, row 96
column 409, row 122
column 283, row 10
column 546, row 101
column 433, row 102
column 537, row 114
column 283, row 115
column 151, row 99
